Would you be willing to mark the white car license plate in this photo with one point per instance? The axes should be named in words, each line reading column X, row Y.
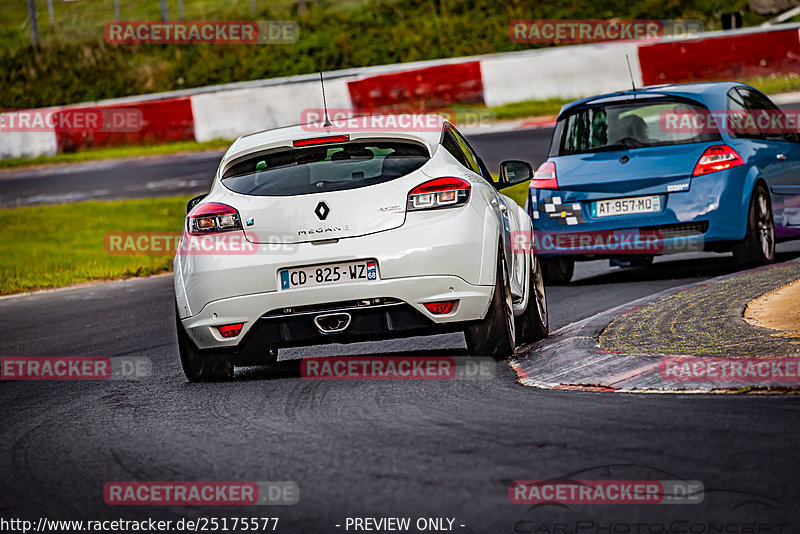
column 331, row 273
column 626, row 206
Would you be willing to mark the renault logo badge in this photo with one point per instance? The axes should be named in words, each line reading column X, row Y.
column 322, row 210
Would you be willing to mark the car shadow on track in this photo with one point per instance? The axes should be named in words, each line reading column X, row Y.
column 707, row 267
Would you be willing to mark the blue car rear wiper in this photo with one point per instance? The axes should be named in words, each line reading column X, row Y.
column 606, row 148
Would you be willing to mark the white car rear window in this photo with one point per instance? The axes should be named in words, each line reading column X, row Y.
column 330, row 167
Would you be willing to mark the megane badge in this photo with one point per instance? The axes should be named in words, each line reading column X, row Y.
column 322, row 210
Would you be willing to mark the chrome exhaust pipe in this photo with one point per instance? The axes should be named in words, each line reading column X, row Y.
column 331, row 323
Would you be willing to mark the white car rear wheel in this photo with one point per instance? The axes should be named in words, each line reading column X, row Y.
column 201, row 366
column 495, row 334
column 532, row 325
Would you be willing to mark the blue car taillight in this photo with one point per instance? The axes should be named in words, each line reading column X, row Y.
column 545, row 176
column 717, row 158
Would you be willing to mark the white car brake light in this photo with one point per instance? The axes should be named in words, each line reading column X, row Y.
column 439, row 193
column 213, row 217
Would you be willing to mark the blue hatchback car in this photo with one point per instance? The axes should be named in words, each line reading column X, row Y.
column 640, row 173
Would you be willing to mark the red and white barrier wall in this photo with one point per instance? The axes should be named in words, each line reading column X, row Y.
column 228, row 111
column 725, row 56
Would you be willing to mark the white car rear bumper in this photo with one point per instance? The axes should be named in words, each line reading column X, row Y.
column 434, row 256
column 472, row 304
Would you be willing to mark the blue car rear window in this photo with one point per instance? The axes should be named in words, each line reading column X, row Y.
column 626, row 125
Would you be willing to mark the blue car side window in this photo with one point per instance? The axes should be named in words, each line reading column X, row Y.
column 751, row 116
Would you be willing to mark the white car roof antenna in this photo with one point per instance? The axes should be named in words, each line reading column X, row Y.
column 328, row 123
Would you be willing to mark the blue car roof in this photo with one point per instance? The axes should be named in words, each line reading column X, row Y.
column 711, row 94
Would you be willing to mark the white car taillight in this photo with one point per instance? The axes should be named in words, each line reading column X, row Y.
column 439, row 193
column 212, row 217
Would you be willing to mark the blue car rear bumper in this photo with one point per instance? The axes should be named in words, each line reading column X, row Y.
column 706, row 216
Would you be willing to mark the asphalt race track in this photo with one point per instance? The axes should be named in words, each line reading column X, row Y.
column 440, row 449
column 191, row 173
column 139, row 177
column 366, row 448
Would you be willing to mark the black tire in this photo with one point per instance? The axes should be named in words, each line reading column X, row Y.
column 201, row 366
column 495, row 334
column 558, row 271
column 532, row 325
column 758, row 245
column 641, row 260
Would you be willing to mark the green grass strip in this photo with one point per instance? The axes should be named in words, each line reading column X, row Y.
column 53, row 246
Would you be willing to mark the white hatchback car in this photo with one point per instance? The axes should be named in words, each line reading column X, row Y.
column 337, row 236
